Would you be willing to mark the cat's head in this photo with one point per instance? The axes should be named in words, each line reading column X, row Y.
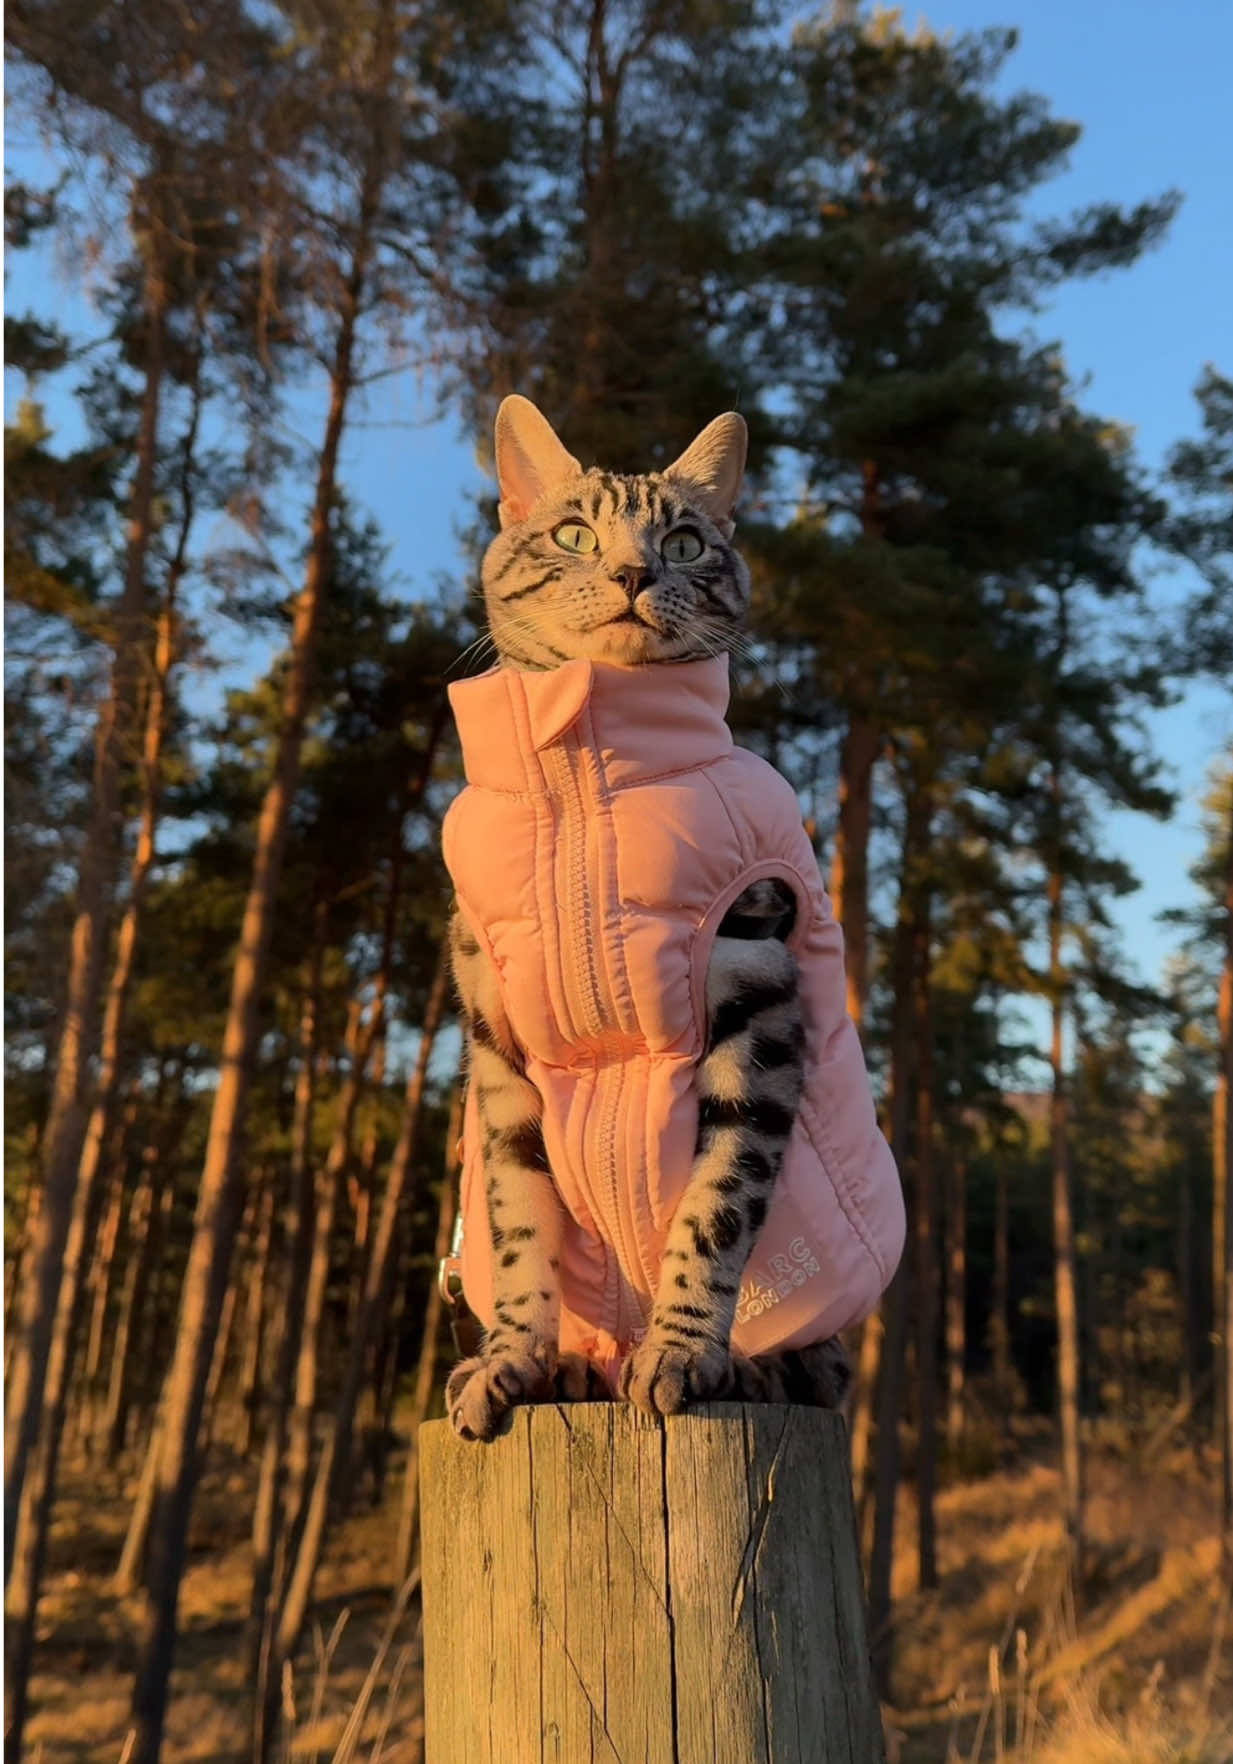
column 631, row 570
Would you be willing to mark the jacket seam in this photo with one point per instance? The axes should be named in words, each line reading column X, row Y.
column 671, row 772
column 833, row 1164
column 742, row 840
column 614, row 785
column 752, row 872
column 837, row 1173
column 480, row 930
column 501, row 790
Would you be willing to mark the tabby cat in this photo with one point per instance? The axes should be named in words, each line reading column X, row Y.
column 639, row 571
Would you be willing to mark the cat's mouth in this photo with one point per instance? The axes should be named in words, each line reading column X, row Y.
column 630, row 617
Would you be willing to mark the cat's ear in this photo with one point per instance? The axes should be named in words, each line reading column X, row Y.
column 713, row 466
column 530, row 459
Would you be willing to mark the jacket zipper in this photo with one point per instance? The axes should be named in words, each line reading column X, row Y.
column 584, row 968
column 587, row 1005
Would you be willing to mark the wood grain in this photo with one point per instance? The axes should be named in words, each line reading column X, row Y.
column 600, row 1588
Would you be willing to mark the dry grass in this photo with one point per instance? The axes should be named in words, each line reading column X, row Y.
column 991, row 1666
column 83, row 1676
column 995, row 1664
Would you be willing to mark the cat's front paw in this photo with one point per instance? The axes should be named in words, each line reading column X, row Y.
column 479, row 1393
column 816, row 1377
column 579, row 1380
column 663, row 1376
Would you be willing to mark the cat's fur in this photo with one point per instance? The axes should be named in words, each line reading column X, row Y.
column 625, row 602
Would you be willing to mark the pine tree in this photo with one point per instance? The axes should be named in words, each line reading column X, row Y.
column 606, row 277
column 910, row 414
column 97, row 98
column 378, row 142
column 898, row 240
column 1200, row 477
column 1201, row 474
column 38, row 1486
column 1085, row 744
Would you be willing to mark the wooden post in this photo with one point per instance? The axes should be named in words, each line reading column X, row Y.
column 598, row 1586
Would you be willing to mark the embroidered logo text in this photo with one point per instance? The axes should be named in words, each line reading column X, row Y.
column 768, row 1283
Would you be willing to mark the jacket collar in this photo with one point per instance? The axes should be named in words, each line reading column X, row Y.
column 640, row 722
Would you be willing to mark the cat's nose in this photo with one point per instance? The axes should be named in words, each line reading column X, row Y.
column 634, row 578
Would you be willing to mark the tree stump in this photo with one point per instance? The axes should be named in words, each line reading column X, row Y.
column 600, row 1588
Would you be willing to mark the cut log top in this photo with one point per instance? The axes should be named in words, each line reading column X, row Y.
column 600, row 1588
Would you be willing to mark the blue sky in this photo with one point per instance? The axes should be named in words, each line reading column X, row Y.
column 1150, row 86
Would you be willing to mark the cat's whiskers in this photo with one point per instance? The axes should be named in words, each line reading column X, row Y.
column 523, row 626
column 697, row 635
column 474, row 650
column 520, row 625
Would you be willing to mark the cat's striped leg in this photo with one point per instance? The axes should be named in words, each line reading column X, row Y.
column 749, row 1086
column 518, row 1361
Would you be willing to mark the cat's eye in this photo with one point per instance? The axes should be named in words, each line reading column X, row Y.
column 573, row 536
column 682, row 547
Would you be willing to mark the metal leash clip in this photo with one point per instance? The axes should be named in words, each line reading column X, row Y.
column 464, row 1325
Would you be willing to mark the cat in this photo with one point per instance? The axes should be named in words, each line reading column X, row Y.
column 629, row 573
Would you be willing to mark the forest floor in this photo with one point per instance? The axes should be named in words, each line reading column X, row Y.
column 1144, row 1676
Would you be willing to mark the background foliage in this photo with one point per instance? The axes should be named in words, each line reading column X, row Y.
column 230, row 1055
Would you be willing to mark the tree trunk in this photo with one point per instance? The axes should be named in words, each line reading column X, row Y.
column 132, row 1301
column 130, row 1571
column 956, row 1301
column 106, row 1236
column 38, row 1490
column 362, row 1189
column 1065, row 1301
column 332, row 1465
column 38, row 1487
column 1123, row 1331
column 299, row 1450
column 851, row 891
column 850, row 865
column 249, row 1390
column 65, row 1128
column 596, row 1587
column 205, row 1280
column 926, row 1269
column 158, row 706
column 1222, row 1215
column 364, row 1029
column 365, row 1032
column 17, row 1266
column 155, row 1320
column 426, row 1370
column 218, row 1365
column 99, row 1295
column 999, row 1321
column 869, row 1359
column 268, row 1535
column 131, row 1568
column 895, row 1300
column 370, row 1034
column 378, row 1398
column 857, row 755
column 371, row 1148
column 226, row 1323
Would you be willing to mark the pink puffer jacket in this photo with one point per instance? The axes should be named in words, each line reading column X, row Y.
column 608, row 824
